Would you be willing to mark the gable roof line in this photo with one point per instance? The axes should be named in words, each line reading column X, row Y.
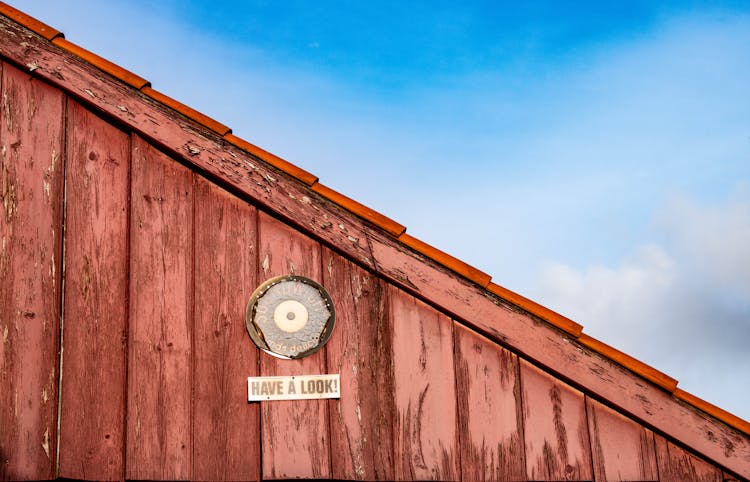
column 393, row 228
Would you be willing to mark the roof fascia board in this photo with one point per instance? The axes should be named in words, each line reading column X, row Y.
column 556, row 319
column 277, row 162
column 360, row 210
column 649, row 373
column 187, row 111
column 293, row 201
column 465, row 270
column 109, row 67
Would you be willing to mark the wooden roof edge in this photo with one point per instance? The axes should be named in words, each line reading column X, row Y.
column 482, row 279
column 454, row 264
column 711, row 409
column 646, row 371
column 187, row 111
column 277, row 162
column 567, row 325
column 360, row 210
column 111, row 68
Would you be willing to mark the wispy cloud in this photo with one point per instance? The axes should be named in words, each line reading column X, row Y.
column 682, row 305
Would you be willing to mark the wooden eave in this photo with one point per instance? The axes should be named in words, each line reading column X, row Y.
column 378, row 243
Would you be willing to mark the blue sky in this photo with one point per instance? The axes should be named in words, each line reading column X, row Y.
column 592, row 156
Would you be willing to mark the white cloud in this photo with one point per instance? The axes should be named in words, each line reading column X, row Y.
column 620, row 302
column 683, row 307
column 715, row 239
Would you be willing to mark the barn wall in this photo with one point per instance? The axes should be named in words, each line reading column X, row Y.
column 159, row 263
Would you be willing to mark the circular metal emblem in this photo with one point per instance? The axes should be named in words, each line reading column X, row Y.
column 290, row 316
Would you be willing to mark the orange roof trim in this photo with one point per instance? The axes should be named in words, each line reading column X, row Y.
column 188, row 112
column 112, row 69
column 30, row 22
column 565, row 324
column 465, row 270
column 648, row 372
column 711, row 409
column 392, row 227
column 275, row 161
column 360, row 210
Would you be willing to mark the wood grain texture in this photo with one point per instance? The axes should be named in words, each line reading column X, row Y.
column 96, row 298
column 711, row 409
column 372, row 248
column 489, row 409
column 621, row 448
column 159, row 364
column 360, row 349
column 31, row 167
column 306, row 453
column 226, row 429
column 648, row 372
column 426, row 428
column 729, row 477
column 102, row 63
column 555, row 428
column 360, row 210
column 677, row 465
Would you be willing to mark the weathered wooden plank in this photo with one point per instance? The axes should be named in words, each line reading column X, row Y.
column 677, row 465
column 96, row 298
column 426, row 429
column 375, row 249
column 489, row 409
column 306, row 454
column 31, row 126
column 621, row 448
column 555, row 428
column 729, row 477
column 225, row 427
column 159, row 363
column 360, row 350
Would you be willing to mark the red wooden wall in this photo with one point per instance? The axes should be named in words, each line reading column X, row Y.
column 31, row 186
column 127, row 327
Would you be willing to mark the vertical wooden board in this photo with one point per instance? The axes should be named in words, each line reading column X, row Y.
column 677, row 465
column 159, row 363
column 226, row 431
column 96, row 298
column 489, row 409
column 621, row 448
column 30, row 251
column 296, row 441
column 426, row 428
column 360, row 350
column 555, row 428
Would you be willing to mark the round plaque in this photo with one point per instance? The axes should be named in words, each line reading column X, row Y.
column 290, row 316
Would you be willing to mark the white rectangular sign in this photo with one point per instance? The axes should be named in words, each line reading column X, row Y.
column 298, row 387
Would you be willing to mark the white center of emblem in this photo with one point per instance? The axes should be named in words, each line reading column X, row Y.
column 290, row 316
